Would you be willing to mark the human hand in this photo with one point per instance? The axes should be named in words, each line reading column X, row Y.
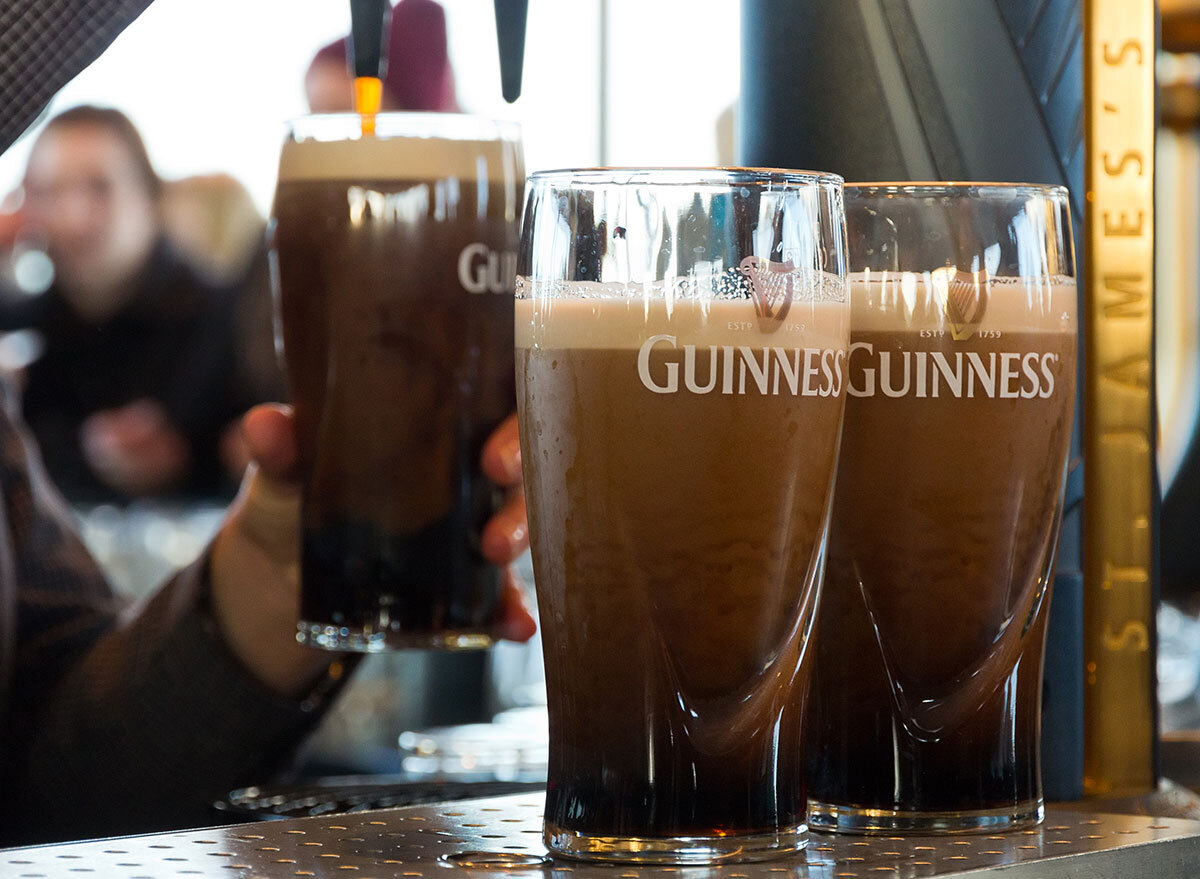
column 255, row 565
column 235, row 454
column 10, row 227
column 135, row 448
column 506, row 535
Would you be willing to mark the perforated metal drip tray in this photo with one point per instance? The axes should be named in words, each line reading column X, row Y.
column 503, row 834
column 338, row 796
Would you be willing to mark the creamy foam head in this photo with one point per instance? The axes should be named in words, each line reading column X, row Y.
column 604, row 316
column 939, row 301
column 398, row 158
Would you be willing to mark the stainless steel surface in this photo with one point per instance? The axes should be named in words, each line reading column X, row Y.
column 504, row 835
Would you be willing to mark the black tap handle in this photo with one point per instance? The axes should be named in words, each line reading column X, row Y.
column 511, row 16
column 369, row 25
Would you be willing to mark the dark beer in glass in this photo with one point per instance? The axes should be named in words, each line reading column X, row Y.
column 393, row 259
column 681, row 343
column 961, row 381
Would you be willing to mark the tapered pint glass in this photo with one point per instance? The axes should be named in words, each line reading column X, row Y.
column 393, row 258
column 961, row 384
column 681, row 362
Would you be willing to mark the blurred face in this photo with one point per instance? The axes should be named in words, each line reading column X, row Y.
column 329, row 88
column 84, row 194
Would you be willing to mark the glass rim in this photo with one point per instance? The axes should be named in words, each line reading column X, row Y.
column 402, row 124
column 956, row 187
column 684, row 175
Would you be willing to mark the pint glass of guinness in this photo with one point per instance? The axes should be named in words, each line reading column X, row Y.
column 681, row 362
column 961, row 383
column 393, row 259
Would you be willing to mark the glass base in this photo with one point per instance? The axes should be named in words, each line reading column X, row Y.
column 371, row 640
column 680, row 850
column 831, row 818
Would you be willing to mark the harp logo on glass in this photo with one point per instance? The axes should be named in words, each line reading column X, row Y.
column 966, row 302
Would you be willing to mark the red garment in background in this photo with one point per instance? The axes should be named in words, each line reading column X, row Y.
column 419, row 76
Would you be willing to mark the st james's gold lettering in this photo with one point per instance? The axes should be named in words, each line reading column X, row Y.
column 1125, row 295
column 1131, row 374
column 1119, row 123
column 1115, row 170
column 1112, row 59
column 1133, row 636
column 1122, row 225
column 1125, row 575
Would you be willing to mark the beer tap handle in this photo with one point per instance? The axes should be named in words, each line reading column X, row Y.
column 369, row 21
column 511, row 18
column 367, row 56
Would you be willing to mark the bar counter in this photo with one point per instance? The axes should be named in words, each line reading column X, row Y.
column 503, row 835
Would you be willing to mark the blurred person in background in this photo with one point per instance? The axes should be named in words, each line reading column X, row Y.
column 419, row 76
column 212, row 221
column 119, row 718
column 138, row 378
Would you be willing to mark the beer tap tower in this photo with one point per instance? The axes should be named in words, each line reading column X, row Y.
column 1044, row 91
column 981, row 90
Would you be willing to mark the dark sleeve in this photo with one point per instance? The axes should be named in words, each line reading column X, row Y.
column 119, row 719
column 44, row 44
column 199, row 385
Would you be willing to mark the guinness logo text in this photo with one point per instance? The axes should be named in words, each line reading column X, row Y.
column 738, row 369
column 1003, row 374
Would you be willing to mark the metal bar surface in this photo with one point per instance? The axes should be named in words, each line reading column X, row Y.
column 503, row 835
column 1120, row 705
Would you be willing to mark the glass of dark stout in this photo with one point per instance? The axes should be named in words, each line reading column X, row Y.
column 926, row 702
column 681, row 348
column 393, row 257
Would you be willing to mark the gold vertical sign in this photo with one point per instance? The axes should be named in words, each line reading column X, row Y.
column 1119, row 697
